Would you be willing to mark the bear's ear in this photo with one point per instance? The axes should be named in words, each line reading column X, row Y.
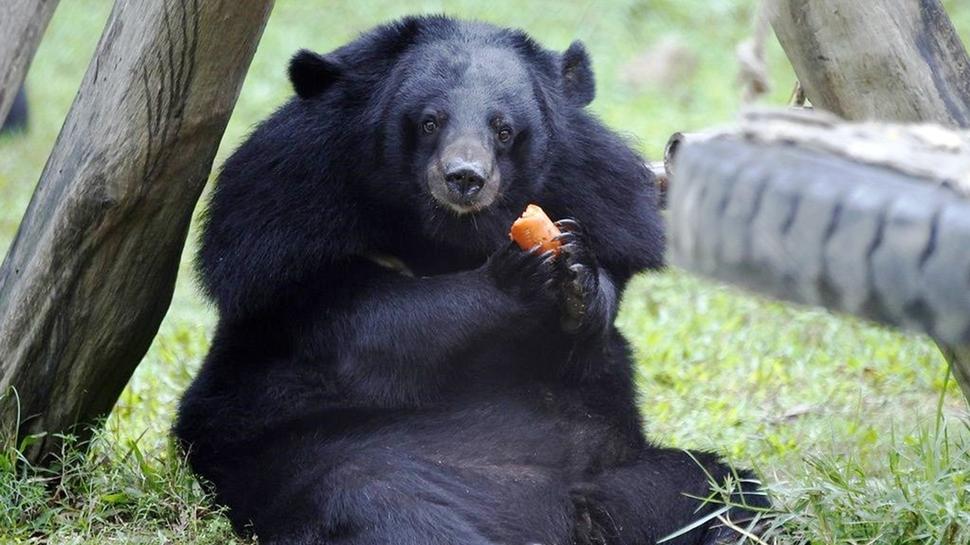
column 312, row 74
column 577, row 75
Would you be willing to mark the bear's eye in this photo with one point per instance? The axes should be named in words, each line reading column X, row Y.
column 429, row 126
column 504, row 135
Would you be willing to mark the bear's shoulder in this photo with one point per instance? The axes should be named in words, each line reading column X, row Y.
column 599, row 179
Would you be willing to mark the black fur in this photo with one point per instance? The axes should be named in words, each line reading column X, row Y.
column 312, row 74
column 488, row 398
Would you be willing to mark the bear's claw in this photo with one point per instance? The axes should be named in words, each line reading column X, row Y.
column 527, row 276
column 578, row 275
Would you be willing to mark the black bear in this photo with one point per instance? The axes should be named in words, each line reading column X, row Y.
column 388, row 367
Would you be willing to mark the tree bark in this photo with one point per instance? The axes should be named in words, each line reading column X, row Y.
column 91, row 272
column 889, row 60
column 22, row 24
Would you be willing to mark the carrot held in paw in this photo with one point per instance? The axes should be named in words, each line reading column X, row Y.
column 535, row 228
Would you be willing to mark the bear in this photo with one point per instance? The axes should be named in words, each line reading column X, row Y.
column 388, row 367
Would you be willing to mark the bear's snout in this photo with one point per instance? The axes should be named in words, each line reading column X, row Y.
column 464, row 177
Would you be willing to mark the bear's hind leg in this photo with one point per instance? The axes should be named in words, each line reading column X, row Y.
column 374, row 521
column 374, row 500
column 398, row 528
column 657, row 495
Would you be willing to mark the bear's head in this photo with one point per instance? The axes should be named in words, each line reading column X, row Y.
column 463, row 116
column 423, row 139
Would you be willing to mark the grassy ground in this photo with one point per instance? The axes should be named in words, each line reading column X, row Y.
column 857, row 429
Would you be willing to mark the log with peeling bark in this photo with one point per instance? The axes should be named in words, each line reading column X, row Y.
column 869, row 219
column 91, row 271
column 22, row 24
column 889, row 60
column 925, row 151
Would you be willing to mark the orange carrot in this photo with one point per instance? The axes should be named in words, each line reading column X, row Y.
column 534, row 227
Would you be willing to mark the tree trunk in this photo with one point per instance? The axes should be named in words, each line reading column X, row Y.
column 22, row 24
column 889, row 60
column 90, row 274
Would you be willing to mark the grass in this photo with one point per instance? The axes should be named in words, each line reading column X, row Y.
column 857, row 430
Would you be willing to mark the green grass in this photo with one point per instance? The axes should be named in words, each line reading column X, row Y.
column 856, row 429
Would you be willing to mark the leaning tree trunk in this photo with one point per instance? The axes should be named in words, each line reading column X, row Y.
column 890, row 60
column 22, row 23
column 91, row 271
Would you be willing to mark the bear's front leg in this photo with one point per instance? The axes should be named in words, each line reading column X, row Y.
column 587, row 295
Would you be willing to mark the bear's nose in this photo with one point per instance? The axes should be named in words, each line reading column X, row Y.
column 465, row 180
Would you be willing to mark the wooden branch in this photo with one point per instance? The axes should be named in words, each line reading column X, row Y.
column 91, row 271
column 22, row 24
column 889, row 60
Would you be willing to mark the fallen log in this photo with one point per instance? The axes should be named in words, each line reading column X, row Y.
column 867, row 219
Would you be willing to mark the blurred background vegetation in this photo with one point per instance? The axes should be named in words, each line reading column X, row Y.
column 858, row 431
